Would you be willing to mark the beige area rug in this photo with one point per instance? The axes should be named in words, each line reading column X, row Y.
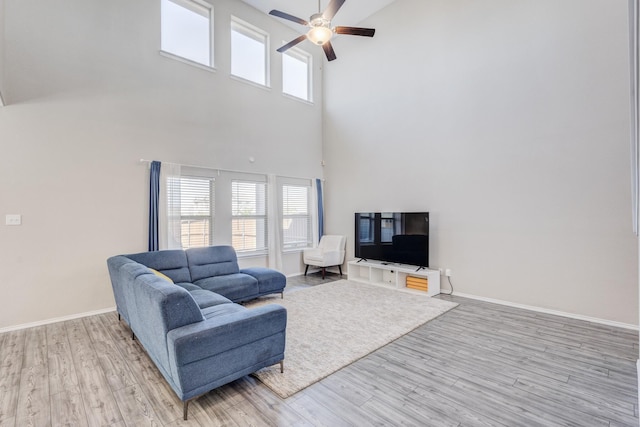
column 332, row 325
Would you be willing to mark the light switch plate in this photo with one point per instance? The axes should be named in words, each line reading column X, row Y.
column 13, row 219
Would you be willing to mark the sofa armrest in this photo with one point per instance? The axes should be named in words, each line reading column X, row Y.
column 204, row 339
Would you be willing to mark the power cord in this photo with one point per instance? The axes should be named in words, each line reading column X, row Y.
column 451, row 285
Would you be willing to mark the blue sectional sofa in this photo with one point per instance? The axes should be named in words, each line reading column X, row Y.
column 180, row 306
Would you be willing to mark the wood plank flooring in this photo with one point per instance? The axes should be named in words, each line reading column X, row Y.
column 480, row 364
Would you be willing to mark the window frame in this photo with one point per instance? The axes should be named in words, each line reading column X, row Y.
column 251, row 31
column 191, row 5
column 295, row 182
column 307, row 58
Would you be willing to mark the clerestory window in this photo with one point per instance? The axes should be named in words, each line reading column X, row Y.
column 187, row 30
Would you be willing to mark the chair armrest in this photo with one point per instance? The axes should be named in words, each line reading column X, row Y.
column 310, row 253
column 204, row 339
column 333, row 257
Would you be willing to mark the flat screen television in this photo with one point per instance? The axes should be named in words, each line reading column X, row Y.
column 394, row 237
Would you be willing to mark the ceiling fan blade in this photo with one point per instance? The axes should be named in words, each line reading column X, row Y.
column 328, row 51
column 332, row 9
column 292, row 43
column 356, row 31
column 284, row 15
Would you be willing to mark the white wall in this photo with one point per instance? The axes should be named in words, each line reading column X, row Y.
column 89, row 96
column 509, row 122
column 1, row 51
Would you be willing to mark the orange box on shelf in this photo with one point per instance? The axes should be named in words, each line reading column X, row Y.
column 418, row 283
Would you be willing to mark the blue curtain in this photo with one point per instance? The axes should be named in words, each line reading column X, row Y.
column 154, row 197
column 320, row 208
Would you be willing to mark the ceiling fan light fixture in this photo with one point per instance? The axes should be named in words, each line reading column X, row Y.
column 320, row 32
column 320, row 35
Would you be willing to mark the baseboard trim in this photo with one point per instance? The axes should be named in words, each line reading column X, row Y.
column 332, row 269
column 549, row 311
column 295, row 274
column 56, row 320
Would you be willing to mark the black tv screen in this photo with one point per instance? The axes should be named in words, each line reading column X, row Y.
column 394, row 237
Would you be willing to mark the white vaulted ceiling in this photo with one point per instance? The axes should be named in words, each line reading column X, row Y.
column 351, row 13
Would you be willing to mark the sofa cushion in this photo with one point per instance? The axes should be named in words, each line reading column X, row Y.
column 172, row 263
column 208, row 299
column 236, row 287
column 211, row 261
column 221, row 310
column 188, row 286
column 161, row 275
column 229, row 331
column 269, row 280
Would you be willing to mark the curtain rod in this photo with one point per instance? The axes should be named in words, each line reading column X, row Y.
column 221, row 170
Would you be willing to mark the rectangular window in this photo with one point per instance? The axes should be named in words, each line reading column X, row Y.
column 296, row 221
column 249, row 53
column 296, row 74
column 186, row 30
column 193, row 199
column 249, row 216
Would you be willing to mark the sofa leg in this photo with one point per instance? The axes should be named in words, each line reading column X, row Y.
column 340, row 268
column 282, row 295
column 119, row 317
column 324, row 270
column 282, row 366
column 185, row 409
column 306, row 269
column 133, row 336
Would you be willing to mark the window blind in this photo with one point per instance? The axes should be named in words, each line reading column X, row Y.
column 296, row 221
column 196, row 211
column 249, row 216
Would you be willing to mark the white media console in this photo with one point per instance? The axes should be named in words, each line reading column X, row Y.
column 392, row 275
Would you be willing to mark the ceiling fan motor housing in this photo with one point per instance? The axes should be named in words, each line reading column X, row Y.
column 320, row 32
column 318, row 20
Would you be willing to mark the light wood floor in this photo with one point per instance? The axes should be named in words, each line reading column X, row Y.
column 477, row 365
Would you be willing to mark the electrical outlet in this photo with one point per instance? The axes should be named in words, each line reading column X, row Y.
column 447, row 272
column 13, row 219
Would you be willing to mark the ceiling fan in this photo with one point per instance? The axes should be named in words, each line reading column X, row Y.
column 321, row 31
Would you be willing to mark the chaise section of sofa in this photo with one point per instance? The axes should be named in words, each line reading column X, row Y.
column 215, row 268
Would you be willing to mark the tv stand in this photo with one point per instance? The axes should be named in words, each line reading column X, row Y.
column 392, row 275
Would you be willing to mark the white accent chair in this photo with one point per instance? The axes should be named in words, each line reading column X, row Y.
column 329, row 253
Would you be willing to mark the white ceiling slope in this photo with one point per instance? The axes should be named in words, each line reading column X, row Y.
column 350, row 14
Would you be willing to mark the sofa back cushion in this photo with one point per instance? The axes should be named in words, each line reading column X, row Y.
column 115, row 264
column 212, row 261
column 172, row 263
column 127, row 276
column 159, row 308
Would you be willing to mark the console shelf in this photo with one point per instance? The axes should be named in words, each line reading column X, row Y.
column 392, row 275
